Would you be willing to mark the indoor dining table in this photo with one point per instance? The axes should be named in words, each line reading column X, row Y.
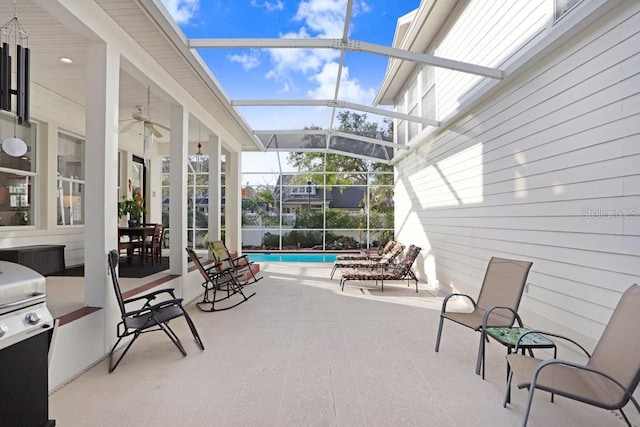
column 136, row 236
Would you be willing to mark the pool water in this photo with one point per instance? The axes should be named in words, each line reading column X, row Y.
column 288, row 257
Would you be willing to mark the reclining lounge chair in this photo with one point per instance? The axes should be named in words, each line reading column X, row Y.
column 401, row 271
column 368, row 254
column 383, row 263
column 153, row 312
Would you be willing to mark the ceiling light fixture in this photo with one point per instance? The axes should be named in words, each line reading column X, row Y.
column 66, row 60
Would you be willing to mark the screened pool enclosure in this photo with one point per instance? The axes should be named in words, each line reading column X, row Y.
column 320, row 209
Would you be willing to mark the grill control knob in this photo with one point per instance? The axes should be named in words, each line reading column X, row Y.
column 33, row 318
column 3, row 330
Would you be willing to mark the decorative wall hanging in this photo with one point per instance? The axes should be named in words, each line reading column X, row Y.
column 14, row 39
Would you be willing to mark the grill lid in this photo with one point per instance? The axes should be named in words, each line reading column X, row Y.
column 19, row 283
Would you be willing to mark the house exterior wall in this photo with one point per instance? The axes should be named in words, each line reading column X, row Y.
column 544, row 168
column 53, row 113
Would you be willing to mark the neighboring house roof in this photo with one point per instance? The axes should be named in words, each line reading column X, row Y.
column 345, row 197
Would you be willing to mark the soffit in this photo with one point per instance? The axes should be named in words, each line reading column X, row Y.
column 147, row 23
column 427, row 22
column 50, row 39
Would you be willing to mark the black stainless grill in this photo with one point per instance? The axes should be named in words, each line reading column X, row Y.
column 26, row 327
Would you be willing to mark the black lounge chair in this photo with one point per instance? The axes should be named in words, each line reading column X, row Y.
column 228, row 282
column 158, row 308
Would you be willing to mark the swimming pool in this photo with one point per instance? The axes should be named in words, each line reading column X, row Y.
column 291, row 257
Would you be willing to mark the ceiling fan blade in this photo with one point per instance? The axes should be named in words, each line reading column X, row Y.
column 161, row 126
column 127, row 127
column 155, row 132
column 150, row 127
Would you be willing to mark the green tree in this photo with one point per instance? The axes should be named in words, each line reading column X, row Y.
column 261, row 202
column 350, row 170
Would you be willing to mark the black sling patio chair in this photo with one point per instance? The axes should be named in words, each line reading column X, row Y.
column 609, row 377
column 497, row 304
column 153, row 312
column 228, row 282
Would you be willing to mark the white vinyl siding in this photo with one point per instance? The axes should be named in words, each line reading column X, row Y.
column 485, row 33
column 545, row 170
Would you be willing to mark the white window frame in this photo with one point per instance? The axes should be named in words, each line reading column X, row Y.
column 70, row 200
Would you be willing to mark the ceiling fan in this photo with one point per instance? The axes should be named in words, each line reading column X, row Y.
column 149, row 126
column 139, row 117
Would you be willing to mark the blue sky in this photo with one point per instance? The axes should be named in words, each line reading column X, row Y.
column 291, row 73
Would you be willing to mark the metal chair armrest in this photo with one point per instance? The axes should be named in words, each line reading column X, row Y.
column 154, row 308
column 551, row 334
column 446, row 300
column 151, row 295
column 491, row 309
column 550, row 362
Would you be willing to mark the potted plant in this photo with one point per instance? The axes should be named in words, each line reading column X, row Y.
column 132, row 207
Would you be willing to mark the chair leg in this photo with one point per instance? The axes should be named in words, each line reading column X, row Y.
column 625, row 417
column 173, row 337
column 192, row 327
column 439, row 333
column 529, row 403
column 507, row 394
column 480, row 360
column 113, row 366
column 231, row 289
column 333, row 270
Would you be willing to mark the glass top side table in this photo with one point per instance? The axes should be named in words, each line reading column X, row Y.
column 509, row 337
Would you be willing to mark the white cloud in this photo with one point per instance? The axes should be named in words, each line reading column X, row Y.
column 248, row 61
column 270, row 6
column 320, row 18
column 360, row 7
column 324, row 17
column 289, row 61
column 182, row 10
column 350, row 89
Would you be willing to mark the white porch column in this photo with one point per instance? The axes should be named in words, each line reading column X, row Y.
column 233, row 196
column 154, row 187
column 215, row 187
column 101, row 162
column 50, row 152
column 179, row 124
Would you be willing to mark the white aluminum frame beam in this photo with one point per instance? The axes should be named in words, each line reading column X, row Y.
column 345, row 45
column 334, row 104
column 330, row 133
